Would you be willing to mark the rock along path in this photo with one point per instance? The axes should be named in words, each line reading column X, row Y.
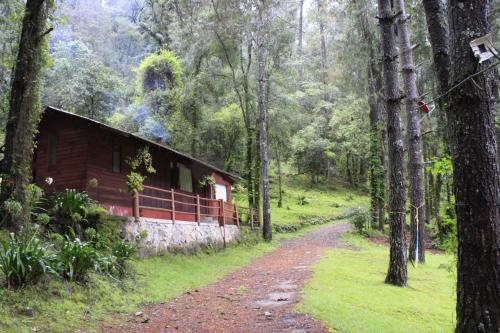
column 259, row 298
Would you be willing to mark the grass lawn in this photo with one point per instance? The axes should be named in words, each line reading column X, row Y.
column 323, row 199
column 347, row 292
column 63, row 307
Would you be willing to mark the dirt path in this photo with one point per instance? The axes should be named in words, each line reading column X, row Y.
column 258, row 298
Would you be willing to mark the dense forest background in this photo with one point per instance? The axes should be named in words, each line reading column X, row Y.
column 386, row 97
column 185, row 73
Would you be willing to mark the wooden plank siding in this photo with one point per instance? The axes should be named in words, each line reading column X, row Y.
column 69, row 170
column 84, row 151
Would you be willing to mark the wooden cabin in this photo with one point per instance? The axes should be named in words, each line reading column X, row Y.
column 76, row 152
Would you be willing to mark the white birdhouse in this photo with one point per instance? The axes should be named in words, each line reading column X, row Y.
column 483, row 48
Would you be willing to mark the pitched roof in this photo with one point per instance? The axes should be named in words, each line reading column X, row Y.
column 135, row 136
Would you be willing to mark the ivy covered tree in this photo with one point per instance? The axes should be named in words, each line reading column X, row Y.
column 24, row 111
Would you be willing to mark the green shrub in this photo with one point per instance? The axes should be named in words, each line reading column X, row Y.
column 448, row 234
column 284, row 228
column 122, row 251
column 249, row 237
column 72, row 212
column 90, row 234
column 77, row 259
column 35, row 197
column 305, row 221
column 303, row 200
column 71, row 203
column 43, row 219
column 13, row 207
column 24, row 262
column 107, row 231
column 360, row 220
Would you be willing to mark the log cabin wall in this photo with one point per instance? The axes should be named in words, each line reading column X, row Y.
column 61, row 153
column 111, row 190
column 87, row 152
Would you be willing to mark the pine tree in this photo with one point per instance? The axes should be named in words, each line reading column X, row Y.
column 264, row 160
column 414, row 137
column 475, row 170
column 397, row 273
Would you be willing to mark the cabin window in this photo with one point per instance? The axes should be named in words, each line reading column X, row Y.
column 117, row 158
column 220, row 192
column 52, row 151
column 185, row 178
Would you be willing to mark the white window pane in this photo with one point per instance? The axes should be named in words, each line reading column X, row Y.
column 220, row 192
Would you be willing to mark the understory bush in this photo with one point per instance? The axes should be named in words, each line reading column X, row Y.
column 121, row 251
column 303, row 200
column 25, row 262
column 444, row 231
column 361, row 220
column 69, row 211
column 249, row 237
column 77, row 259
column 85, row 238
column 70, row 203
column 305, row 221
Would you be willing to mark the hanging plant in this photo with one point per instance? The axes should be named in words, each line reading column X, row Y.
column 135, row 180
column 206, row 181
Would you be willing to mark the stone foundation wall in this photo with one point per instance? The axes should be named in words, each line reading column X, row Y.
column 160, row 236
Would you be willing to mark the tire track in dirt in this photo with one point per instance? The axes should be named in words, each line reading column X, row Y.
column 258, row 298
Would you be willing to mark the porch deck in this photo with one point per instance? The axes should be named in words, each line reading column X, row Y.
column 169, row 204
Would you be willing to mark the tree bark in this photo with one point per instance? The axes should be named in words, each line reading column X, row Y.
column 300, row 50
column 428, row 200
column 25, row 108
column 437, row 26
column 414, row 138
column 324, row 56
column 324, row 76
column 280, row 191
column 375, row 86
column 264, row 161
column 397, row 272
column 476, row 174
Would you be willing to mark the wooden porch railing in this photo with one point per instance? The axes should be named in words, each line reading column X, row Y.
column 199, row 209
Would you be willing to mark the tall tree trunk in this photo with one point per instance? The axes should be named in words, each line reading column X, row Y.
column 436, row 15
column 322, row 39
column 250, row 170
column 438, row 185
column 257, row 177
column 437, row 26
column 348, row 169
column 476, row 174
column 376, row 161
column 428, row 199
column 300, row 50
column 324, row 75
column 244, row 97
column 266, row 206
column 397, row 272
column 280, row 191
column 414, row 138
column 25, row 108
